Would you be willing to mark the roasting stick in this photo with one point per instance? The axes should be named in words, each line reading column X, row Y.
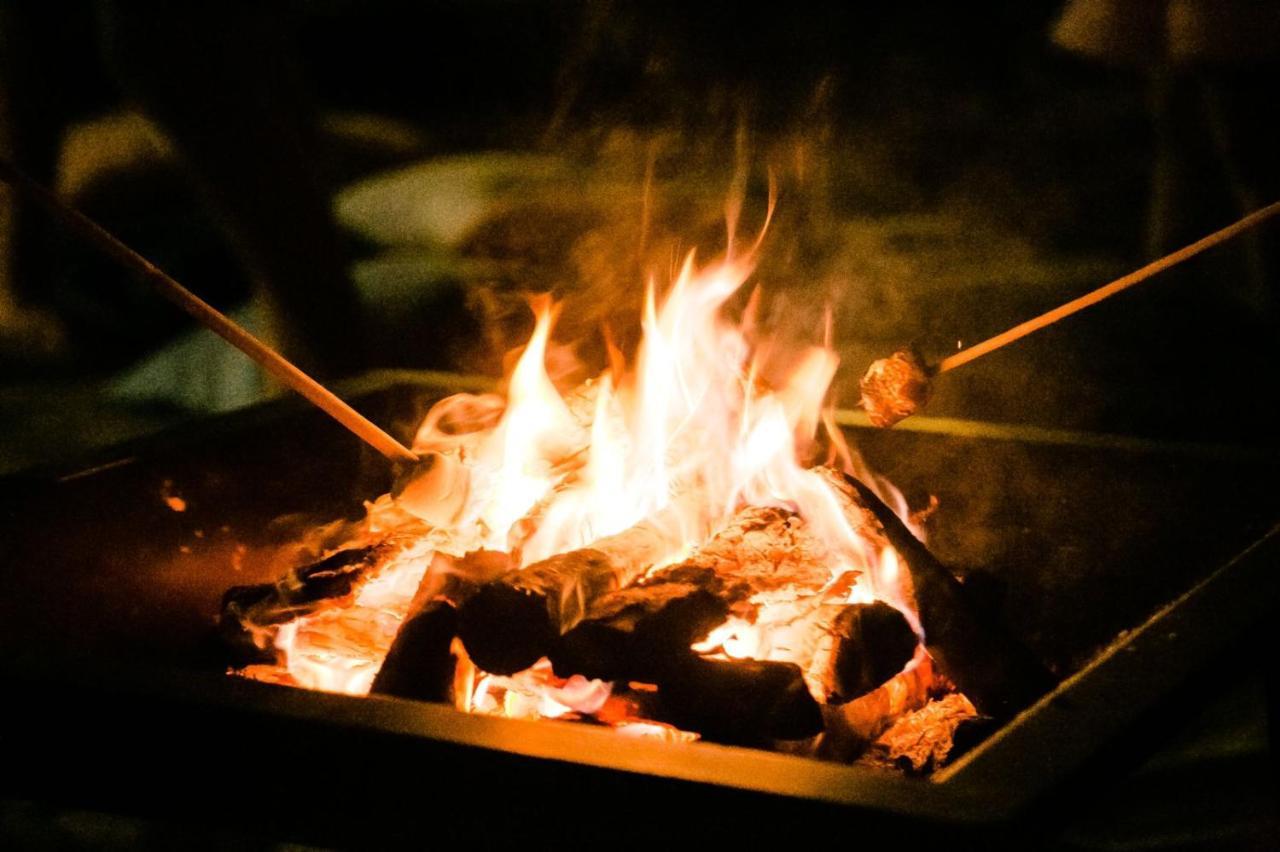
column 1107, row 290
column 896, row 387
column 204, row 313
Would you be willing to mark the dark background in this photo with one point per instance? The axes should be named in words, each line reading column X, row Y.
column 945, row 171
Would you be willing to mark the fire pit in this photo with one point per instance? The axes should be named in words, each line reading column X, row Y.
column 1124, row 565
column 648, row 552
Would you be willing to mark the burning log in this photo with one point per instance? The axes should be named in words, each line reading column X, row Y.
column 997, row 673
column 248, row 611
column 873, row 642
column 850, row 728
column 420, row 663
column 514, row 621
column 761, row 550
column 635, row 633
column 628, row 634
column 739, row 701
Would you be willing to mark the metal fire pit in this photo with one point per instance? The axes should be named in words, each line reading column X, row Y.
column 1125, row 565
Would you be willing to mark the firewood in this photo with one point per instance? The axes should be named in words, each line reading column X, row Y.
column 771, row 552
column 873, row 642
column 850, row 728
column 628, row 634
column 420, row 663
column 761, row 550
column 846, row 650
column 739, row 701
column 514, row 621
column 248, row 613
column 998, row 674
column 633, row 633
column 332, row 577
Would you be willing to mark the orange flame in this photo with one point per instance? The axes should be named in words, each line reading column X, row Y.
column 690, row 433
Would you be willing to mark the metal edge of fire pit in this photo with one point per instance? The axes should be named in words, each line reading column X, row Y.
column 1059, row 733
column 991, row 784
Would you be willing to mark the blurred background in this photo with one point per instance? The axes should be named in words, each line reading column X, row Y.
column 382, row 184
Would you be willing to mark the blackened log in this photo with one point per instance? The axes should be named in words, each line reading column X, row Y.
column 631, row 633
column 514, row 621
column 420, row 663
column 998, row 674
column 873, row 642
column 743, row 702
column 634, row 633
column 332, row 577
column 248, row 612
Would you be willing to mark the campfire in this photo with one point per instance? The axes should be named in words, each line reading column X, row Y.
column 527, row 563
column 653, row 550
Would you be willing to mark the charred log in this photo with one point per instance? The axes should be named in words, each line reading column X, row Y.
column 420, row 663
column 516, row 620
column 873, row 642
column 332, row 577
column 248, row 610
column 997, row 673
column 635, row 633
column 739, row 701
column 761, row 550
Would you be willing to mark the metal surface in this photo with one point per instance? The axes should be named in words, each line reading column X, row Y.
column 1126, row 570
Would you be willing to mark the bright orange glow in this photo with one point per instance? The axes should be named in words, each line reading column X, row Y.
column 683, row 437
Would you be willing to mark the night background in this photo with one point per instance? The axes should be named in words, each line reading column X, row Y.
column 381, row 185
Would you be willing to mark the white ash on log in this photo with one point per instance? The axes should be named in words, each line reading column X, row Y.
column 249, row 611
column 769, row 553
column 420, row 663
column 636, row 632
column 762, row 550
column 998, row 674
column 925, row 739
column 872, row 643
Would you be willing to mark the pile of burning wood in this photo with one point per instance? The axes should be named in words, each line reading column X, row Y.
column 648, row 552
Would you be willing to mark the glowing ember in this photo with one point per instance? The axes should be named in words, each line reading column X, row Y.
column 172, row 500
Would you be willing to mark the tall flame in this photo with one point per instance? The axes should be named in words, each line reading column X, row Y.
column 683, row 439
column 691, row 424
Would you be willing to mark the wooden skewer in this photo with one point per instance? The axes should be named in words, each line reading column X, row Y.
column 204, row 313
column 1107, row 290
